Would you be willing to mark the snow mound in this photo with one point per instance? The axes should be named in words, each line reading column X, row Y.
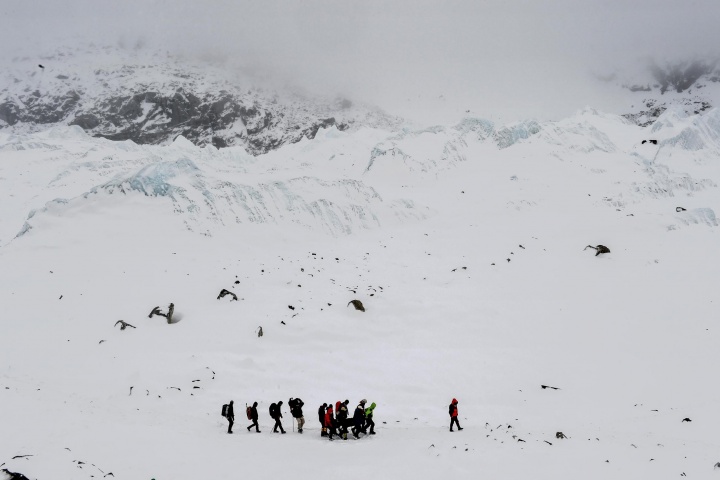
column 588, row 131
column 430, row 150
column 696, row 216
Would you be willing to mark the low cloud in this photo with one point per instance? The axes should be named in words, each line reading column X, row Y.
column 415, row 57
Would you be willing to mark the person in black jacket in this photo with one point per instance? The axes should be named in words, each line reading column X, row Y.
column 296, row 405
column 321, row 419
column 342, row 417
column 276, row 414
column 254, row 418
column 359, row 418
column 230, row 416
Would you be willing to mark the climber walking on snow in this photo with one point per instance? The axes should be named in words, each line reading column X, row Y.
column 359, row 419
column 296, row 405
column 454, row 414
column 321, row 419
column 341, row 417
column 230, row 416
column 369, row 423
column 253, row 416
column 330, row 421
column 276, row 414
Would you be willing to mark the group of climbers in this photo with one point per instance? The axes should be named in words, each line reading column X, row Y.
column 275, row 413
column 336, row 422
column 333, row 422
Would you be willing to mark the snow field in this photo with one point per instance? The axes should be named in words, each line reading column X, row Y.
column 627, row 337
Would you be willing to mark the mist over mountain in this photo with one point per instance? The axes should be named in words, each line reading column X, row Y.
column 426, row 60
column 152, row 97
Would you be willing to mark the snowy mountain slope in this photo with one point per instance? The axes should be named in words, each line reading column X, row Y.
column 209, row 188
column 481, row 291
column 206, row 187
column 652, row 87
column 151, row 98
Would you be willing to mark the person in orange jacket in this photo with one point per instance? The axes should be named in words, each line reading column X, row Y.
column 454, row 415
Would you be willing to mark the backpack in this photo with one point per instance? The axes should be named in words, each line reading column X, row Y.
column 248, row 411
column 337, row 405
column 273, row 410
column 224, row 410
column 451, row 409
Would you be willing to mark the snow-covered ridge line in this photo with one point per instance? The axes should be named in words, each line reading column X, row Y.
column 343, row 182
column 153, row 99
column 209, row 188
column 691, row 85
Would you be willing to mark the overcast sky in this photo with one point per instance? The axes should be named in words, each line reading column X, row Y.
column 525, row 56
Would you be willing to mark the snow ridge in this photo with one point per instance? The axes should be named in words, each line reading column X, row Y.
column 347, row 181
column 209, row 188
column 152, row 99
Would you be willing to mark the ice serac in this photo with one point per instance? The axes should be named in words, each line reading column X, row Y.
column 689, row 132
column 676, row 163
column 696, row 216
column 208, row 188
column 343, row 182
column 509, row 135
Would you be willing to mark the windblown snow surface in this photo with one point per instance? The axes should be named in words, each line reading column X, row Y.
column 465, row 243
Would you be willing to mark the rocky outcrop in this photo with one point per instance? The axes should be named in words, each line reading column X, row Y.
column 691, row 85
column 154, row 102
column 654, row 108
column 680, row 76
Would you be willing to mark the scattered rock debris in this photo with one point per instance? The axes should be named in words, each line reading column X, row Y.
column 123, row 325
column 225, row 292
column 357, row 304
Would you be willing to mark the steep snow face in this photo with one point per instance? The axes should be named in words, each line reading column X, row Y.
column 152, row 99
column 468, row 253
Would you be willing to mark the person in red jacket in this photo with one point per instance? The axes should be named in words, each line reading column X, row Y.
column 330, row 421
column 454, row 415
